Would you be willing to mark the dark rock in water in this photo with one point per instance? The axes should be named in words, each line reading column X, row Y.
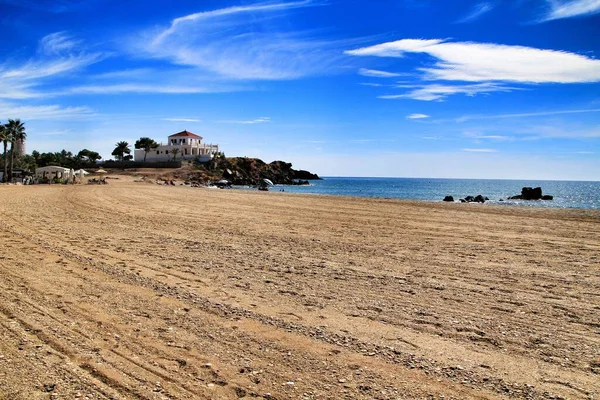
column 448, row 198
column 474, row 199
column 480, row 199
column 528, row 193
column 531, row 193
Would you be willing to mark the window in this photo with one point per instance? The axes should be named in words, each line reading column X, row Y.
column 157, row 152
column 186, row 150
column 166, row 151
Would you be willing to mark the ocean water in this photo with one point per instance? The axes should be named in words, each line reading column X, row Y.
column 567, row 194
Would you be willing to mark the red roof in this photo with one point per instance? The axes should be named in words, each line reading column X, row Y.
column 186, row 134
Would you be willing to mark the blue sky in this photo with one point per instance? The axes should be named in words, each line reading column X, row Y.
column 408, row 88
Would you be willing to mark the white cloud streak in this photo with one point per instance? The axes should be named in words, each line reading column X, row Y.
column 58, row 55
column 439, row 92
column 417, row 116
column 137, row 88
column 526, row 115
column 377, row 74
column 45, row 112
column 238, row 43
column 476, row 12
column 560, row 9
column 484, row 62
column 260, row 120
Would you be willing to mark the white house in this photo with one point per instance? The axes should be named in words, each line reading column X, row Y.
column 187, row 146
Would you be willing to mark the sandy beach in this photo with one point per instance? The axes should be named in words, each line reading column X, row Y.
column 140, row 291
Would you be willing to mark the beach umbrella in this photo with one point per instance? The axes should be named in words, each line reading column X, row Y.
column 81, row 172
column 223, row 182
column 267, row 182
column 101, row 171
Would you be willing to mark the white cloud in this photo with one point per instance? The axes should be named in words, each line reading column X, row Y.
column 377, row 74
column 45, row 112
column 137, row 88
column 438, row 92
column 477, row 11
column 243, row 42
column 479, row 150
column 417, row 116
column 58, row 56
column 484, row 62
column 58, row 43
column 526, row 115
column 575, row 8
column 260, row 120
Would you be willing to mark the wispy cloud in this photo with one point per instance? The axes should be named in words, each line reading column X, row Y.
column 417, row 116
column 526, row 115
column 44, row 112
column 559, row 9
column 58, row 43
column 480, row 150
column 438, row 92
column 238, row 43
column 377, row 74
column 260, row 120
column 476, row 12
column 484, row 62
column 479, row 137
column 58, row 55
column 137, row 88
column 559, row 131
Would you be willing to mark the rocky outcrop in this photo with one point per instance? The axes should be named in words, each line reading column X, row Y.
column 528, row 193
column 251, row 171
column 448, row 198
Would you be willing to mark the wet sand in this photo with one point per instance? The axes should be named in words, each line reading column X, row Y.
column 139, row 291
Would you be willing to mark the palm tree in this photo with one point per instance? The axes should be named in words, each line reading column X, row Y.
column 175, row 151
column 120, row 151
column 146, row 144
column 5, row 138
column 17, row 134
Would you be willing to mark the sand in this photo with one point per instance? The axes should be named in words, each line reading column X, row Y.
column 139, row 291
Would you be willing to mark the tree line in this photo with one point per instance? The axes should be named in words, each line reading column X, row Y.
column 13, row 133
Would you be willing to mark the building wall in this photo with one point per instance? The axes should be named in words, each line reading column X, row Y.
column 186, row 152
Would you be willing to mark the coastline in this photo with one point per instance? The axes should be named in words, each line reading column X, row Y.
column 216, row 293
column 567, row 194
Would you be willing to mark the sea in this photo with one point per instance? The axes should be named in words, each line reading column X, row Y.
column 567, row 194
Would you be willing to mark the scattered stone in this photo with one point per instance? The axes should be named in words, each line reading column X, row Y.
column 49, row 387
column 448, row 198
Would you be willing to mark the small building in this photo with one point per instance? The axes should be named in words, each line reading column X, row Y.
column 52, row 172
column 182, row 145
